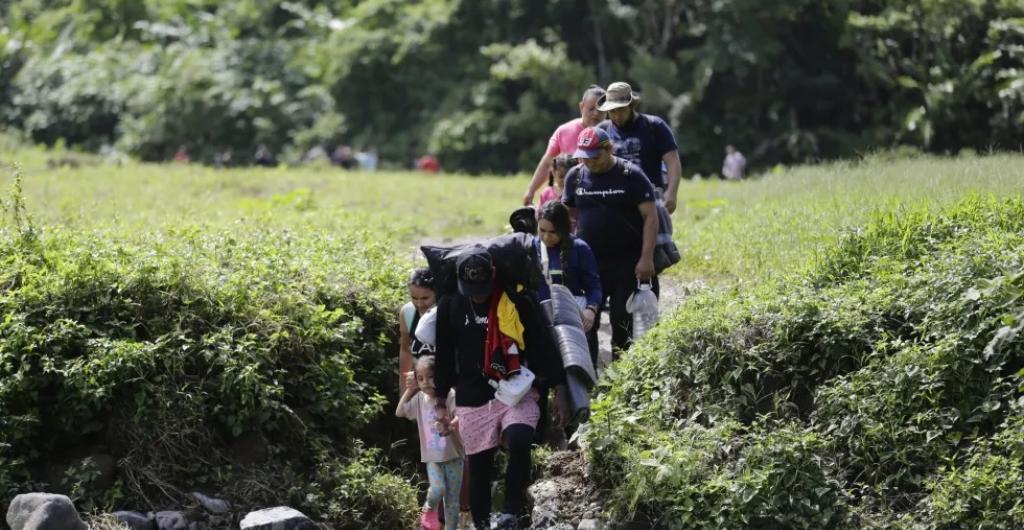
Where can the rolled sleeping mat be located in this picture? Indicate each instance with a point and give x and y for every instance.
(579, 397)
(564, 308)
(572, 343)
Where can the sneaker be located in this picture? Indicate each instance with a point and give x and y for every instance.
(507, 521)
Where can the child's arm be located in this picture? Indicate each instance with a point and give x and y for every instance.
(405, 407)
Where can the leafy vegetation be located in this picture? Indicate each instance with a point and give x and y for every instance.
(881, 387)
(853, 363)
(787, 82)
(172, 349)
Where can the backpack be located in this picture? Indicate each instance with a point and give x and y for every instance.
(514, 260)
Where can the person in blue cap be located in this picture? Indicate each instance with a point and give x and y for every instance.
(613, 201)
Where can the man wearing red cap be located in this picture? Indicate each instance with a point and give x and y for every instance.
(615, 214)
(643, 139)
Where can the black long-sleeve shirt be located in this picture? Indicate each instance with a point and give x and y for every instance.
(461, 333)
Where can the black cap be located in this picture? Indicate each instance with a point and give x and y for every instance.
(475, 270)
(524, 220)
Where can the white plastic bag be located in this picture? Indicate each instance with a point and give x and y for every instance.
(426, 329)
(512, 389)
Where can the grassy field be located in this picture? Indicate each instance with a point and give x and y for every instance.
(752, 230)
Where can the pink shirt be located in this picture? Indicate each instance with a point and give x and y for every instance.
(550, 193)
(565, 137)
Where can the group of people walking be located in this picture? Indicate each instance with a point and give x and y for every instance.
(462, 376)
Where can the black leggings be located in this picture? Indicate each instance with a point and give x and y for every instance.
(518, 439)
(618, 281)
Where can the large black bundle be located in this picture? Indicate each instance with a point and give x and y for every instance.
(514, 259)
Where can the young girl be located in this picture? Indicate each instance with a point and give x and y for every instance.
(556, 180)
(421, 293)
(439, 444)
(572, 264)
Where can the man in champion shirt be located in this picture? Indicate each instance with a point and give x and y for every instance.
(613, 202)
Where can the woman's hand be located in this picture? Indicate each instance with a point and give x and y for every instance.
(588, 318)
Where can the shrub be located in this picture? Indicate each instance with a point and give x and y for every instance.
(851, 382)
(169, 348)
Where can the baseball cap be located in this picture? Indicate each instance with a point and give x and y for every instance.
(475, 271)
(590, 142)
(618, 95)
(524, 220)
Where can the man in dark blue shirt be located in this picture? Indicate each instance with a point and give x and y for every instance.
(643, 139)
(614, 206)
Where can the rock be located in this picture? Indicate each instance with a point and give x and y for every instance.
(591, 524)
(135, 520)
(43, 511)
(211, 504)
(171, 521)
(279, 518)
(197, 526)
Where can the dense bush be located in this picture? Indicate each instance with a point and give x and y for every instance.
(883, 382)
(242, 358)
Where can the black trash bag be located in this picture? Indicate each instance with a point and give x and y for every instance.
(515, 263)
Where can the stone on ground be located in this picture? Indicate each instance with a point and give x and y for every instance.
(171, 521)
(279, 518)
(135, 520)
(43, 511)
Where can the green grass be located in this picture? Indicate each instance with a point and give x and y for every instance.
(756, 230)
(776, 225)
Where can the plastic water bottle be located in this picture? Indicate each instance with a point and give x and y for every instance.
(643, 304)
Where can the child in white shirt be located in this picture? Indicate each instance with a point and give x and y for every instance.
(439, 445)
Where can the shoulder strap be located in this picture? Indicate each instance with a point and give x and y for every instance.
(408, 314)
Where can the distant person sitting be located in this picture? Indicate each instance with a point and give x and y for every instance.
(643, 139)
(181, 155)
(263, 157)
(222, 159)
(343, 157)
(734, 166)
(428, 163)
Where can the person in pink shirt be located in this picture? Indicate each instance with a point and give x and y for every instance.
(556, 180)
(564, 138)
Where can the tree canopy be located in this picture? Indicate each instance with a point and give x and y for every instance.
(483, 83)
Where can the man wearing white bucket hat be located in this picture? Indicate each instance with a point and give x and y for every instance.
(643, 139)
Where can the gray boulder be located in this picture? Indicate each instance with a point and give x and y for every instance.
(43, 511)
(212, 505)
(591, 524)
(135, 520)
(279, 518)
(171, 521)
